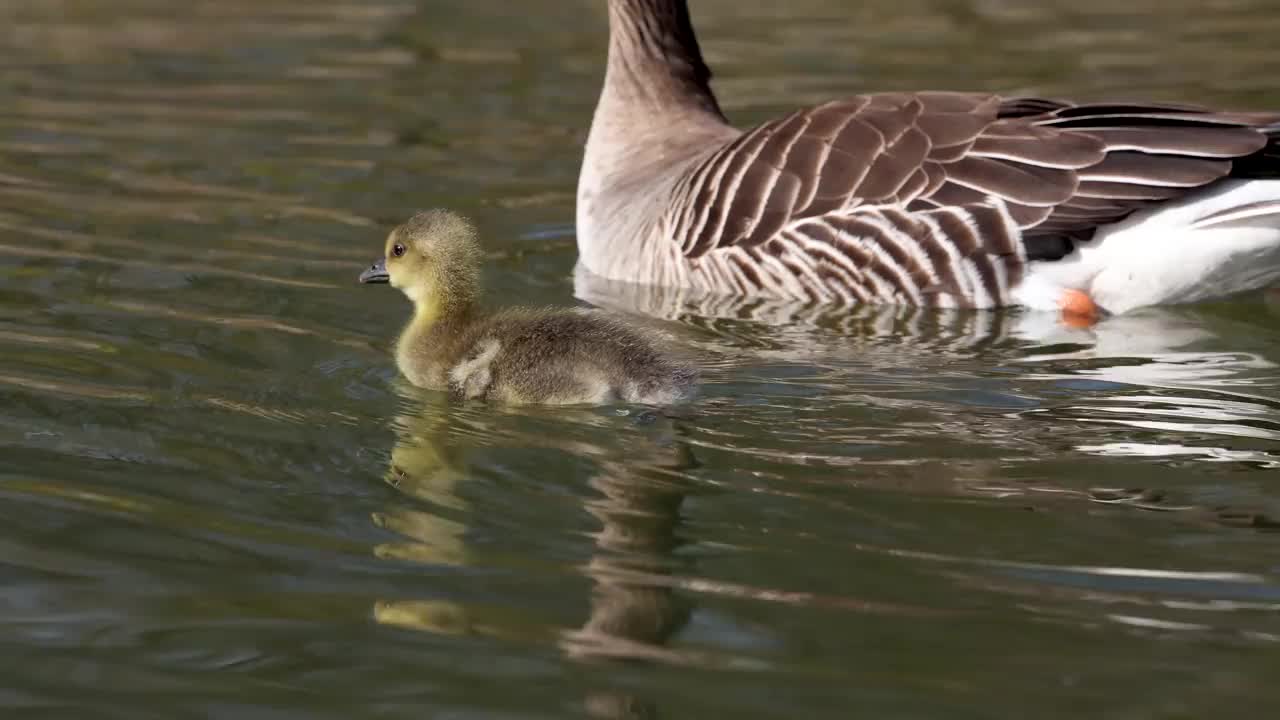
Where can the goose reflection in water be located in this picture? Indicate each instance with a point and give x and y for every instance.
(1162, 370)
(634, 610)
(1166, 348)
(1153, 384)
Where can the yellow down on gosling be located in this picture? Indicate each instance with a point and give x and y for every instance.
(514, 355)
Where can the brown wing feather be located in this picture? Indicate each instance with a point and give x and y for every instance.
(1060, 168)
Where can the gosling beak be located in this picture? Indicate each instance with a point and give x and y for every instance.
(377, 273)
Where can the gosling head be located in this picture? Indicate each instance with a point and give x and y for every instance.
(433, 258)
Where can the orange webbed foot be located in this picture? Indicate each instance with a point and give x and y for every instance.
(1078, 309)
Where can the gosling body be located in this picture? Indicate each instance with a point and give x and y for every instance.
(515, 355)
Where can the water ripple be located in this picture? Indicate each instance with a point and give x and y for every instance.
(219, 497)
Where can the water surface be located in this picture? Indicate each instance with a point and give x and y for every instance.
(219, 500)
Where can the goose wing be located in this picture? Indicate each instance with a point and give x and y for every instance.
(1060, 169)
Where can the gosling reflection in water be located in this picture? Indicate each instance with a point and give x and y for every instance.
(633, 609)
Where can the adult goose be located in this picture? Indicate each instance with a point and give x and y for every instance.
(922, 198)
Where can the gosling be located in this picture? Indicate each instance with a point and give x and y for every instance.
(517, 355)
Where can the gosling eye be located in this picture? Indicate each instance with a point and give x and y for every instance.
(397, 250)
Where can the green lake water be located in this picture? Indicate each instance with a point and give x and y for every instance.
(218, 499)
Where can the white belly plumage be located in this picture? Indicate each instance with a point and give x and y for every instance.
(1217, 242)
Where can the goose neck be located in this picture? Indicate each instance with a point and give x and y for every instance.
(655, 61)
